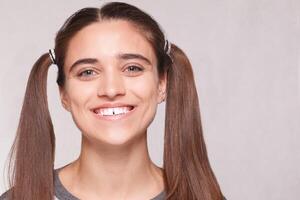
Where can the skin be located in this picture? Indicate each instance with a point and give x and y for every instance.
(114, 162)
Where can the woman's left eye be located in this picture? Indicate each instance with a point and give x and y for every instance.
(134, 68)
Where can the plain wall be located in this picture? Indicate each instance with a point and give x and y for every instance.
(246, 59)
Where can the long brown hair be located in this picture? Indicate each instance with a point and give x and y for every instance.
(187, 172)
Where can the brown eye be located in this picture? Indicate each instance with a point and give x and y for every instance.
(88, 72)
(133, 68)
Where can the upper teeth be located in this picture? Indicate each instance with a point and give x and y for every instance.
(112, 111)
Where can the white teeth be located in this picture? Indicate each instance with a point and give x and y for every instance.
(113, 111)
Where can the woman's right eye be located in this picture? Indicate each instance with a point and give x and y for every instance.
(87, 72)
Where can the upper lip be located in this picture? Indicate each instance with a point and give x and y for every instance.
(112, 105)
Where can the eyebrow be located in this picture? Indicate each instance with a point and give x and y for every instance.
(122, 56)
(128, 56)
(83, 61)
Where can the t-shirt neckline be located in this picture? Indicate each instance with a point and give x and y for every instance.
(63, 194)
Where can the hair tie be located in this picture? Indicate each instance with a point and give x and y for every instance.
(52, 55)
(167, 47)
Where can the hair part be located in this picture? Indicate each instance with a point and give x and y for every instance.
(187, 172)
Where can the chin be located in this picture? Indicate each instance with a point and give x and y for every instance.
(117, 138)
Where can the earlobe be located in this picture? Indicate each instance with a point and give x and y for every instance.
(162, 96)
(162, 88)
(64, 99)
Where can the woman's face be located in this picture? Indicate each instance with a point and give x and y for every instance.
(112, 86)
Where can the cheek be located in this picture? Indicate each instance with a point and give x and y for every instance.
(146, 88)
(79, 93)
(146, 91)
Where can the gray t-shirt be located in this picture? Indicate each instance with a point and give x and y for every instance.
(61, 193)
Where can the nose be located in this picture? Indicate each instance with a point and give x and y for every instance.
(111, 85)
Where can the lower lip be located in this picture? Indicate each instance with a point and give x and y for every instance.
(114, 117)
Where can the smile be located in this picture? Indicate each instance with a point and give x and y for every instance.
(113, 113)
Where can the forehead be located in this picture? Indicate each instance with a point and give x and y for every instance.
(106, 39)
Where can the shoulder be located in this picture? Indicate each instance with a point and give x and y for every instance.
(4, 196)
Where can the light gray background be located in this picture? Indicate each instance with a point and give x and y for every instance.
(245, 56)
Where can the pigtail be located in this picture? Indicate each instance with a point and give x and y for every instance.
(31, 160)
(188, 174)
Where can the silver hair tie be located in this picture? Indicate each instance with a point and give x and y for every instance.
(167, 47)
(52, 55)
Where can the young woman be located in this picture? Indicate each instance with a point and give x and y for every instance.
(114, 67)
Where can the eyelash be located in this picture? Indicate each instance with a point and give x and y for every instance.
(88, 70)
(139, 69)
(133, 68)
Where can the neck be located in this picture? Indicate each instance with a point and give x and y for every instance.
(115, 172)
